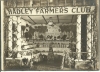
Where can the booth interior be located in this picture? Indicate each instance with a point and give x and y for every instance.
(46, 38)
(42, 30)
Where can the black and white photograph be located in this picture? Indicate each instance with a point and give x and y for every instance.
(50, 35)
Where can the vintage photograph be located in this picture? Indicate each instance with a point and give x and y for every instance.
(50, 35)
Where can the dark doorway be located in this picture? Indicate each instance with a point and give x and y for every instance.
(83, 35)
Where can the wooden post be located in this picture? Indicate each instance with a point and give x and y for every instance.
(78, 38)
(89, 36)
(62, 65)
(10, 36)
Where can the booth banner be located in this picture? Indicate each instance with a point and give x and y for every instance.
(50, 10)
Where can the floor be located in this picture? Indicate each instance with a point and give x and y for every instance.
(42, 66)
